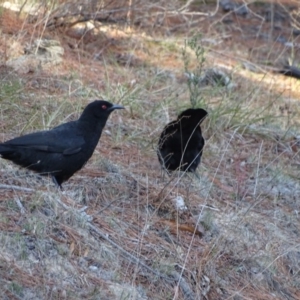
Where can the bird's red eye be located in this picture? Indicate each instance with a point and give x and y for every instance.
(104, 106)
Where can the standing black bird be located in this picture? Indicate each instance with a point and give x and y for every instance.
(181, 142)
(65, 149)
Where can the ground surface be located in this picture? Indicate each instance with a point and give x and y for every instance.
(115, 232)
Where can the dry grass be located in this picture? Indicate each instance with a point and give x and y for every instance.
(114, 233)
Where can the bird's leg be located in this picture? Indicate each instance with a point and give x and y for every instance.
(187, 186)
(162, 173)
(197, 175)
(56, 183)
(164, 170)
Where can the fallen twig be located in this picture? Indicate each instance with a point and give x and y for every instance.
(15, 187)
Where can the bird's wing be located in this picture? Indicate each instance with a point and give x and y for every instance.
(169, 134)
(58, 140)
(170, 129)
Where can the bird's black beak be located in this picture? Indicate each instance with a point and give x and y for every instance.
(115, 106)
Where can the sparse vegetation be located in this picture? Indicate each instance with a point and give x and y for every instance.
(114, 233)
(194, 76)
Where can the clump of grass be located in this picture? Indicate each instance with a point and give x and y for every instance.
(10, 89)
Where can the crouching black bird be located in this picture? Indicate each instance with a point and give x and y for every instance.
(181, 142)
(65, 149)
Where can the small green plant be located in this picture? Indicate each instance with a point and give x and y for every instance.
(10, 90)
(16, 288)
(193, 77)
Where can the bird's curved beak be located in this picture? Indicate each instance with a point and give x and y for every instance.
(115, 106)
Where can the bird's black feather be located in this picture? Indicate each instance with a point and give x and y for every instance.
(65, 149)
(181, 142)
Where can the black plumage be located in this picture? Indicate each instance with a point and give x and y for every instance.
(181, 142)
(65, 149)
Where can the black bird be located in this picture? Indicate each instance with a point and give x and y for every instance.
(65, 149)
(180, 144)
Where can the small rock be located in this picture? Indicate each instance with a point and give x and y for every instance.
(296, 32)
(239, 9)
(179, 203)
(214, 77)
(124, 291)
(40, 53)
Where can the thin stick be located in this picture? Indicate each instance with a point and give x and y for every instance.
(15, 187)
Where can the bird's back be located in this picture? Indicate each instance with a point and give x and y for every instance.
(181, 142)
(59, 152)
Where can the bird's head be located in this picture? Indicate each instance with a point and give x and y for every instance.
(100, 109)
(193, 115)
